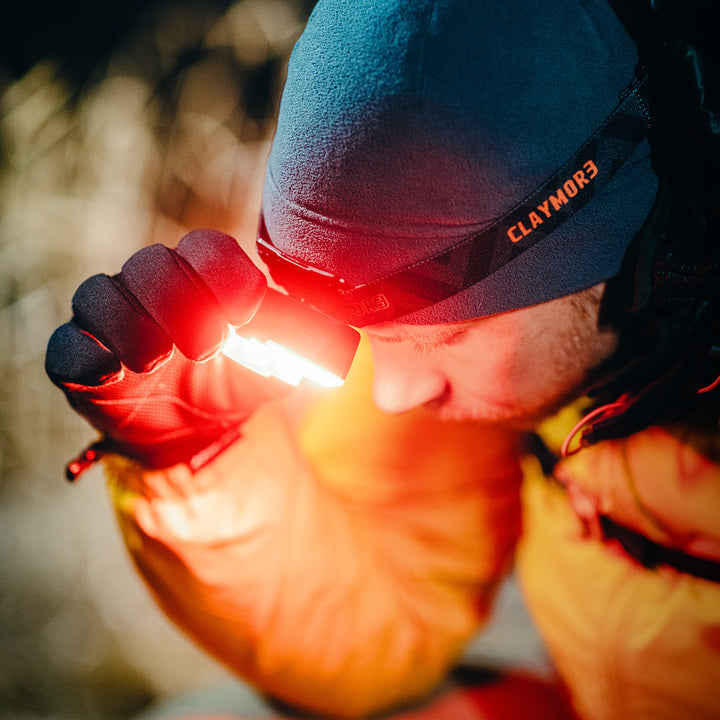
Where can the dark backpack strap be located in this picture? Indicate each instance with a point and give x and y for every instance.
(653, 555)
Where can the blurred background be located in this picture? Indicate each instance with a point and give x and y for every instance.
(121, 124)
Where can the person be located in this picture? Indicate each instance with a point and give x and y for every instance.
(476, 186)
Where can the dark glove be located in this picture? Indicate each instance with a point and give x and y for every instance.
(128, 360)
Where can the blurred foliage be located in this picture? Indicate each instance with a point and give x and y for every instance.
(121, 124)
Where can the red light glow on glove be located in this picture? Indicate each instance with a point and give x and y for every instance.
(141, 360)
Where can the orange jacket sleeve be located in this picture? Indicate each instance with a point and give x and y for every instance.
(341, 567)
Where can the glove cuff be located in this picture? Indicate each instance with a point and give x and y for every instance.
(194, 454)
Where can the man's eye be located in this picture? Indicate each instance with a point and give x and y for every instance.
(427, 349)
(424, 344)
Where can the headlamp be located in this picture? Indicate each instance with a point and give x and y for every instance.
(288, 340)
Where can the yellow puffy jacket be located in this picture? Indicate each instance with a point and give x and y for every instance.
(631, 643)
(340, 565)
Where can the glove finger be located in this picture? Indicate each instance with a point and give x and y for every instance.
(74, 356)
(167, 288)
(236, 282)
(102, 307)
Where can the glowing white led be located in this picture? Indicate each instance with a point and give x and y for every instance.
(271, 359)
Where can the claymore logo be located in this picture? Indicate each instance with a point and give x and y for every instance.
(570, 188)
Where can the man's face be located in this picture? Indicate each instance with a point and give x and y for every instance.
(515, 367)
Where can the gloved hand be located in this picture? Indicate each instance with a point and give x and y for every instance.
(129, 360)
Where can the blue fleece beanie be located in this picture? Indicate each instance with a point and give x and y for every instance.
(407, 127)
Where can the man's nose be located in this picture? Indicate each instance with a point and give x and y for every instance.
(402, 380)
